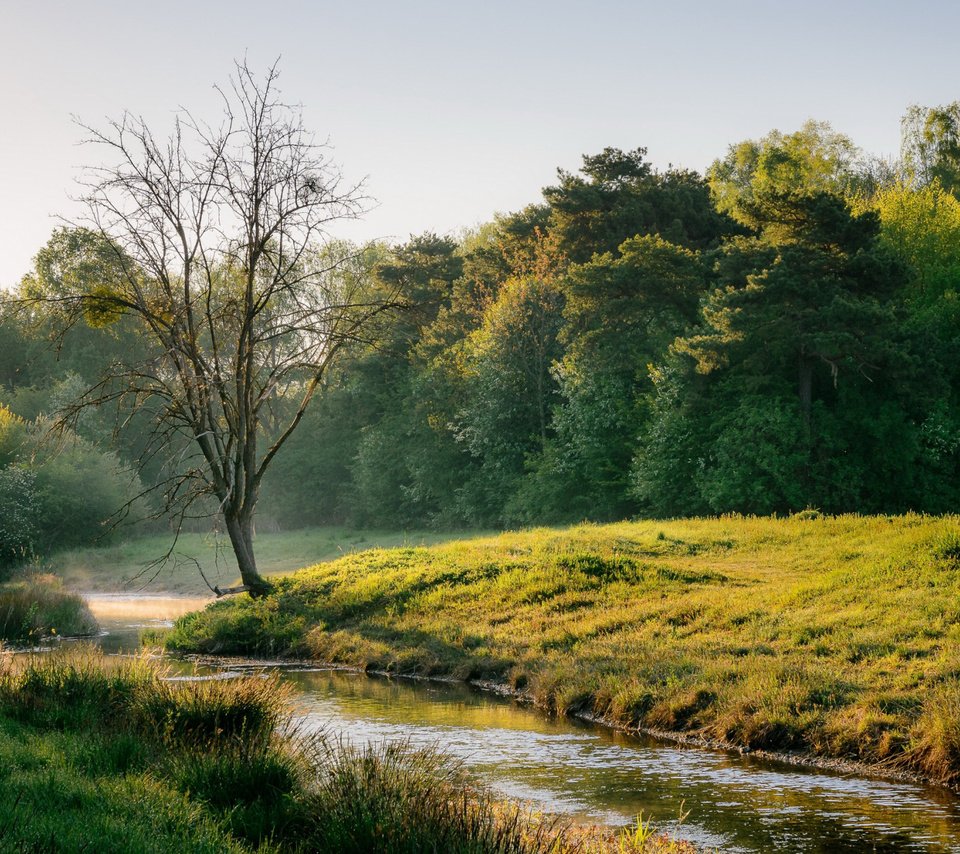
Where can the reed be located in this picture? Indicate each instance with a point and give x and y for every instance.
(37, 606)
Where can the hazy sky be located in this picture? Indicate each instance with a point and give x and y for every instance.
(457, 111)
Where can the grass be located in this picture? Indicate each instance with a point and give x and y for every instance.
(37, 606)
(107, 755)
(130, 565)
(92, 752)
(838, 637)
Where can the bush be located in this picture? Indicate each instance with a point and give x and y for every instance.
(55, 495)
(77, 490)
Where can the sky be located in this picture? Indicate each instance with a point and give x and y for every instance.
(454, 111)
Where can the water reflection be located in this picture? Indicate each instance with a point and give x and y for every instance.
(736, 803)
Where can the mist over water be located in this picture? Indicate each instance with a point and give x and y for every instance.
(123, 617)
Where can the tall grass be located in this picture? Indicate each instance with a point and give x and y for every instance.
(38, 606)
(111, 755)
(95, 750)
(390, 799)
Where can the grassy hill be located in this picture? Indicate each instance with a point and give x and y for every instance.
(834, 636)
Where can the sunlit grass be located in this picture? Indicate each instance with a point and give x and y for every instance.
(836, 636)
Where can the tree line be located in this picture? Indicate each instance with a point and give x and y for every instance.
(778, 334)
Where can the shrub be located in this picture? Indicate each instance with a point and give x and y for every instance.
(77, 490)
(56, 495)
(38, 606)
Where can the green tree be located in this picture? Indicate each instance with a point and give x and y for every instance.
(791, 352)
(506, 366)
(930, 145)
(621, 314)
(823, 304)
(921, 226)
(383, 459)
(756, 175)
(618, 195)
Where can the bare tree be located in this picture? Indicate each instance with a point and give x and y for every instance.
(219, 247)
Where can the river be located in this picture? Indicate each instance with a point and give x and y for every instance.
(736, 803)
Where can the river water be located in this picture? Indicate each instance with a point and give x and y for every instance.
(736, 803)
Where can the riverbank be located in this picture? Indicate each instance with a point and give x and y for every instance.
(524, 698)
(816, 637)
(109, 751)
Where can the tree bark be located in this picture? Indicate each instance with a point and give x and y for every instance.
(240, 530)
(805, 389)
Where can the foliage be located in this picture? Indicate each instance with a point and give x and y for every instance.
(814, 159)
(79, 490)
(78, 261)
(777, 334)
(621, 313)
(931, 145)
(56, 493)
(922, 226)
(19, 515)
(620, 196)
(791, 351)
(506, 366)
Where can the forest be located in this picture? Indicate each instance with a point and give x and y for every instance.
(780, 334)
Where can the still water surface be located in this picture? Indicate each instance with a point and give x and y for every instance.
(736, 803)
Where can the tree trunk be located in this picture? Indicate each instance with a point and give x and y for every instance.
(241, 538)
(805, 391)
(805, 388)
